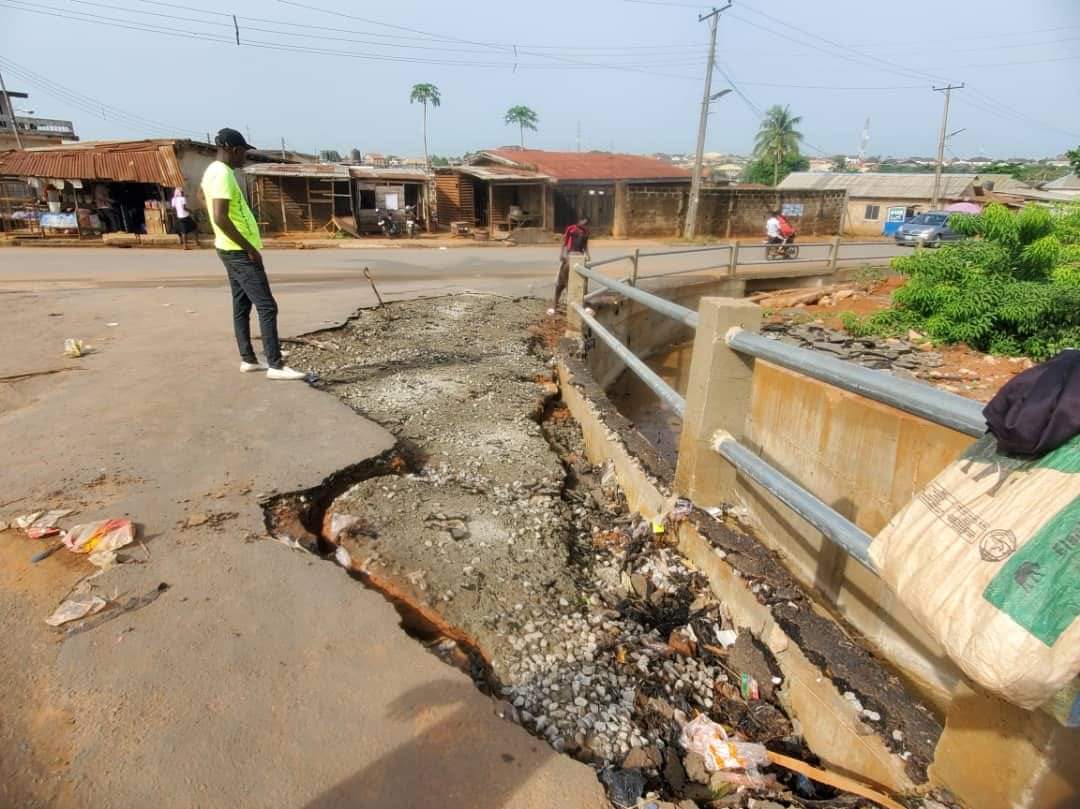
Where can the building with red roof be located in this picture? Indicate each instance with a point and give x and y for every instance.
(510, 188)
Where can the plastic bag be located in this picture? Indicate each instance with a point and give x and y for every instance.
(708, 739)
(76, 608)
(101, 539)
(73, 347)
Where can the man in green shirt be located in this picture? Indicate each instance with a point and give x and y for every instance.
(236, 237)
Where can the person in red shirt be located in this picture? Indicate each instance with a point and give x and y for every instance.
(575, 240)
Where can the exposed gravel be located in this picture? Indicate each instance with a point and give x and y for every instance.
(598, 635)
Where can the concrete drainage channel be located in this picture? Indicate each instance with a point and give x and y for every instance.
(513, 558)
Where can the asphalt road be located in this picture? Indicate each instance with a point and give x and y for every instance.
(519, 270)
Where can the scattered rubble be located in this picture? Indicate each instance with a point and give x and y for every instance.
(514, 558)
(899, 357)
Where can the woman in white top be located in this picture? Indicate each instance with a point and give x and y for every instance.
(185, 223)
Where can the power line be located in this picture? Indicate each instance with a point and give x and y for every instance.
(87, 103)
(288, 47)
(860, 56)
(832, 87)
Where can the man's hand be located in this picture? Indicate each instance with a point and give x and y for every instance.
(255, 256)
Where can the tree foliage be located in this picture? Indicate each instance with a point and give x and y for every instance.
(522, 117)
(777, 137)
(1012, 287)
(763, 171)
(1073, 156)
(425, 94)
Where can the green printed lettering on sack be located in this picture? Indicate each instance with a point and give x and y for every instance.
(1065, 458)
(1039, 586)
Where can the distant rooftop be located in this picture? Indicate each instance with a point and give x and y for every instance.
(896, 186)
(586, 165)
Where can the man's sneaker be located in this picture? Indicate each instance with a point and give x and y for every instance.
(251, 367)
(284, 373)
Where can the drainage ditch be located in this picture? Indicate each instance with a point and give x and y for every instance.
(513, 558)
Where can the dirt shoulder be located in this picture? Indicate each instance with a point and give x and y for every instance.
(955, 368)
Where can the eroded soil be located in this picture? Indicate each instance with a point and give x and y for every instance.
(516, 559)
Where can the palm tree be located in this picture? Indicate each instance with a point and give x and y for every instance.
(524, 117)
(425, 94)
(777, 138)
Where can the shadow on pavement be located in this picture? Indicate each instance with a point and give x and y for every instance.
(455, 762)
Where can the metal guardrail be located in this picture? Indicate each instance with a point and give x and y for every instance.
(941, 407)
(733, 250)
(646, 374)
(836, 528)
(947, 409)
(665, 307)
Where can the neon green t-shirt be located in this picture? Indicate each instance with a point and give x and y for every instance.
(219, 182)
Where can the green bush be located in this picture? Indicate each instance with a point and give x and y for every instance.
(1012, 287)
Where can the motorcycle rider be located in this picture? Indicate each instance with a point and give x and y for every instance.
(772, 228)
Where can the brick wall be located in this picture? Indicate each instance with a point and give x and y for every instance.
(657, 210)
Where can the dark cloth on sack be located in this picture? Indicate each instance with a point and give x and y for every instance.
(1038, 410)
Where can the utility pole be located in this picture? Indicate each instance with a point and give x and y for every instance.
(947, 90)
(283, 157)
(706, 99)
(11, 109)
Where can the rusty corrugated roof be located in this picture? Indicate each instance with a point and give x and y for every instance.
(589, 165)
(313, 170)
(144, 161)
(498, 173)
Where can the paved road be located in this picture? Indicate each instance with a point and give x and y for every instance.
(527, 270)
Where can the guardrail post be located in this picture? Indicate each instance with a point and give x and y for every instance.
(834, 252)
(733, 260)
(637, 256)
(576, 289)
(717, 398)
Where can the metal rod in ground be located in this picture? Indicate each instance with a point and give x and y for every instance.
(665, 307)
(643, 371)
(382, 306)
(837, 529)
(938, 406)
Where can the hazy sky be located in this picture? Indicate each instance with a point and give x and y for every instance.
(629, 71)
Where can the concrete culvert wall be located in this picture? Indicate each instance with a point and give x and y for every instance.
(867, 461)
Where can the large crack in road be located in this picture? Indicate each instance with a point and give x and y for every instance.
(514, 558)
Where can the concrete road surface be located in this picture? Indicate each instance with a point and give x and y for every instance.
(262, 676)
(525, 269)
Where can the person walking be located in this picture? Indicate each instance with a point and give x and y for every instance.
(575, 240)
(236, 237)
(185, 222)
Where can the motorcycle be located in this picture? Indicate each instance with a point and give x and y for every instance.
(390, 228)
(411, 225)
(782, 251)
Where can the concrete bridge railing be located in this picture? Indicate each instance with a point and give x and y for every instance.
(822, 454)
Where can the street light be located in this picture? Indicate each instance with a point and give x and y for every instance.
(716, 96)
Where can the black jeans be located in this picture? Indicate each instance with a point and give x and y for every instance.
(250, 286)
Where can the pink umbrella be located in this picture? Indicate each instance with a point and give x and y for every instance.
(964, 207)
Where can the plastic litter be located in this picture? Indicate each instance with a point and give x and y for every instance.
(343, 558)
(101, 540)
(727, 637)
(625, 787)
(682, 509)
(76, 608)
(39, 524)
(709, 740)
(73, 347)
(748, 687)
